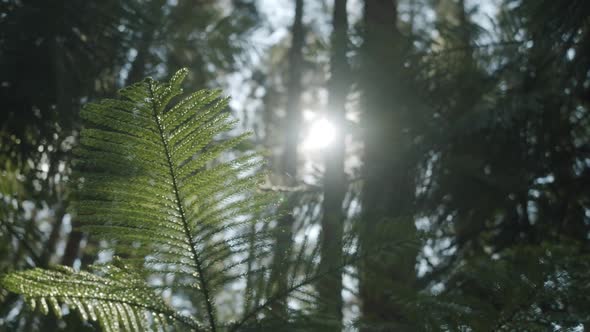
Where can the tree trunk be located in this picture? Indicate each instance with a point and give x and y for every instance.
(140, 63)
(72, 250)
(138, 66)
(54, 236)
(386, 269)
(284, 234)
(330, 287)
(64, 104)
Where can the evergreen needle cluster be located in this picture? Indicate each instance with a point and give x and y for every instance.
(150, 182)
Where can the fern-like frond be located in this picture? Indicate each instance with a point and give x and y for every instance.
(150, 182)
(115, 297)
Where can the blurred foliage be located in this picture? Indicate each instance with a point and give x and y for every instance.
(467, 119)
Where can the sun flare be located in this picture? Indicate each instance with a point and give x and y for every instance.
(320, 135)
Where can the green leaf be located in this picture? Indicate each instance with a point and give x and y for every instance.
(150, 182)
(118, 298)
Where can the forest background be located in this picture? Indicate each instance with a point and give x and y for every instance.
(432, 156)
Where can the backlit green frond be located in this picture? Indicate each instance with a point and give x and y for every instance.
(115, 297)
(151, 184)
(148, 184)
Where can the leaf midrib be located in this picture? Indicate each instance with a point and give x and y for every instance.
(202, 280)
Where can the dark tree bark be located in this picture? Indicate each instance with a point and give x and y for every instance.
(387, 269)
(72, 250)
(64, 104)
(138, 66)
(284, 234)
(153, 21)
(54, 236)
(330, 287)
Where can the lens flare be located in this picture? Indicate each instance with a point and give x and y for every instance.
(320, 135)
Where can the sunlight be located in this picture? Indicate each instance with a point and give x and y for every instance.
(320, 135)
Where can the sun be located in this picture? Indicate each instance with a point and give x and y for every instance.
(320, 135)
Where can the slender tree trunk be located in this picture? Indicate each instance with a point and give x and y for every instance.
(154, 14)
(64, 104)
(289, 158)
(138, 66)
(284, 235)
(72, 250)
(387, 269)
(453, 23)
(54, 236)
(330, 287)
